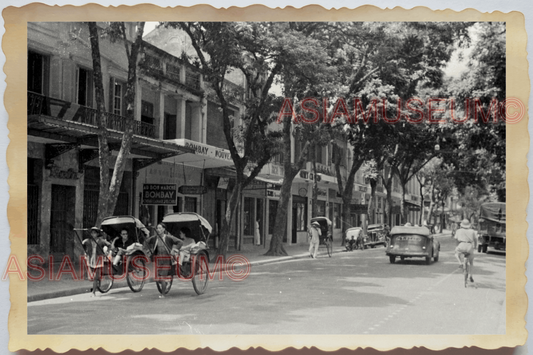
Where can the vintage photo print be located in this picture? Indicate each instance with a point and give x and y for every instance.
(198, 177)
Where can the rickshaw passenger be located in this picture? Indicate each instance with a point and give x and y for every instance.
(182, 250)
(121, 244)
(94, 247)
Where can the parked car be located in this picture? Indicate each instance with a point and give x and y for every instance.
(376, 234)
(491, 232)
(412, 242)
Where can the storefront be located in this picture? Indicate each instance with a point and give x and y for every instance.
(253, 213)
(151, 207)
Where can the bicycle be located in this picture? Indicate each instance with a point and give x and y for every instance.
(466, 265)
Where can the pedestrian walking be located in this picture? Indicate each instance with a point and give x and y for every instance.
(466, 245)
(257, 234)
(313, 234)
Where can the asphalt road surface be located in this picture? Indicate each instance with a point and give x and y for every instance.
(357, 292)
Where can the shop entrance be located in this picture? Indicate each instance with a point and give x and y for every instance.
(61, 217)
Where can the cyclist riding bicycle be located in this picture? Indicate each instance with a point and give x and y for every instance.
(466, 245)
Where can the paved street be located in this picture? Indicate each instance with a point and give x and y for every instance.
(356, 292)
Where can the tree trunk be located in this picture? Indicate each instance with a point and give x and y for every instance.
(280, 228)
(110, 188)
(290, 171)
(346, 190)
(421, 219)
(403, 208)
(227, 221)
(387, 184)
(314, 205)
(371, 203)
(103, 147)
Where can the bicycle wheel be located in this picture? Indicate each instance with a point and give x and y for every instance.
(163, 286)
(200, 273)
(136, 266)
(465, 270)
(104, 283)
(329, 246)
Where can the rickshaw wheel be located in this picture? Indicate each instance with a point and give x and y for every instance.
(166, 283)
(136, 275)
(200, 273)
(329, 246)
(105, 283)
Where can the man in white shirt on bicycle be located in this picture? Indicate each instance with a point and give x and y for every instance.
(466, 245)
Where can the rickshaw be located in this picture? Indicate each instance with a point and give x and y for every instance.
(135, 264)
(412, 242)
(195, 263)
(354, 239)
(326, 237)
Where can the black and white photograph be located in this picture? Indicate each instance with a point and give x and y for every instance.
(273, 178)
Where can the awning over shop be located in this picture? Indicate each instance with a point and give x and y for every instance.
(203, 155)
(412, 206)
(269, 181)
(327, 179)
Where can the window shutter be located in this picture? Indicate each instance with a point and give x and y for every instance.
(111, 94)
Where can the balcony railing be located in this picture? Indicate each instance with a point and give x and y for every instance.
(68, 111)
(151, 65)
(192, 79)
(173, 72)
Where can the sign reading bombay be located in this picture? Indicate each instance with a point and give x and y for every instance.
(159, 194)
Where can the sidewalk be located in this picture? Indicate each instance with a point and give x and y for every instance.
(68, 284)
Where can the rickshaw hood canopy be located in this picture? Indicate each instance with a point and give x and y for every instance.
(321, 219)
(187, 217)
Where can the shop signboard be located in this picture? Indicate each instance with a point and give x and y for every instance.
(358, 208)
(192, 190)
(159, 194)
(273, 193)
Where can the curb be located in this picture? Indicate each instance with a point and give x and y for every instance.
(87, 288)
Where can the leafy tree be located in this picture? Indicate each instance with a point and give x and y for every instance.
(262, 51)
(306, 72)
(483, 155)
(110, 186)
(380, 64)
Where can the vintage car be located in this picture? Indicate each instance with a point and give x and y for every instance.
(412, 242)
(376, 234)
(491, 232)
